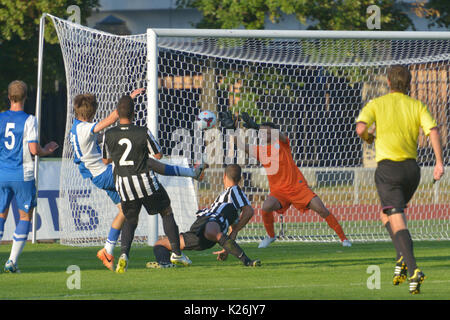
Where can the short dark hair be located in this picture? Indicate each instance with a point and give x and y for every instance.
(17, 91)
(400, 78)
(269, 124)
(125, 108)
(85, 106)
(233, 171)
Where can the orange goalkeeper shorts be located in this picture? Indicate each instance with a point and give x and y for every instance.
(299, 197)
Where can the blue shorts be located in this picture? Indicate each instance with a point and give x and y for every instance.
(24, 192)
(105, 181)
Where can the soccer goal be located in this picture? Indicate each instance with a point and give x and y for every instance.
(311, 83)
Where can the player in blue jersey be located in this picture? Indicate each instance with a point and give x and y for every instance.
(18, 144)
(88, 157)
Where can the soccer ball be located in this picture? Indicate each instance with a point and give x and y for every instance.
(206, 120)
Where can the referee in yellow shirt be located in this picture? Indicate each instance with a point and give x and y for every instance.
(397, 118)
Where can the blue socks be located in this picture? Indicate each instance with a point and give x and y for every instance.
(112, 240)
(178, 171)
(2, 227)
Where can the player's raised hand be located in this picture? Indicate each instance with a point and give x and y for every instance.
(221, 255)
(137, 92)
(227, 120)
(249, 123)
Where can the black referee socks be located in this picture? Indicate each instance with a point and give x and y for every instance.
(404, 241)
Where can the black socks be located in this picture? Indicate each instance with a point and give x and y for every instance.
(404, 242)
(171, 230)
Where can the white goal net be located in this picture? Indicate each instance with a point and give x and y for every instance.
(312, 88)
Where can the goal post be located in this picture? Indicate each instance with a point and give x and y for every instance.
(311, 83)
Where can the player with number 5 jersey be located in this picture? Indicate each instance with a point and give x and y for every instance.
(18, 144)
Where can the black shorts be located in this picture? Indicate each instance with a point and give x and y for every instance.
(153, 204)
(396, 182)
(194, 239)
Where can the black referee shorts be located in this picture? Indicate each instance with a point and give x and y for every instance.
(396, 183)
(194, 239)
(157, 202)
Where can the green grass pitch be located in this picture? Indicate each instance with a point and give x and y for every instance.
(289, 271)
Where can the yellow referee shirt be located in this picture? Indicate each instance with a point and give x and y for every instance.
(397, 118)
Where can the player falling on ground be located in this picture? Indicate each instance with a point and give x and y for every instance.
(287, 184)
(88, 157)
(18, 143)
(128, 147)
(397, 119)
(230, 210)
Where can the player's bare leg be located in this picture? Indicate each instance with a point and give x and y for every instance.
(270, 205)
(317, 205)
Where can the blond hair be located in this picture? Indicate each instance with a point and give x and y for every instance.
(17, 91)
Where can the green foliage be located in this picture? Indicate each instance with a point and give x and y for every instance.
(323, 14)
(19, 36)
(254, 83)
(438, 11)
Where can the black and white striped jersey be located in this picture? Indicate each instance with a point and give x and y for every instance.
(233, 195)
(129, 147)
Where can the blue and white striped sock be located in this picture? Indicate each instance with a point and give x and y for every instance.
(112, 240)
(19, 239)
(2, 227)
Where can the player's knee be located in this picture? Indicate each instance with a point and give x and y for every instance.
(166, 212)
(132, 220)
(212, 231)
(268, 207)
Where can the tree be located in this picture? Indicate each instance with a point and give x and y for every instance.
(323, 14)
(19, 36)
(437, 11)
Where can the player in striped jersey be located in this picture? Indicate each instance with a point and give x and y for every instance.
(18, 143)
(88, 157)
(230, 210)
(128, 146)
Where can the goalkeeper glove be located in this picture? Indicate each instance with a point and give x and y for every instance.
(227, 120)
(249, 123)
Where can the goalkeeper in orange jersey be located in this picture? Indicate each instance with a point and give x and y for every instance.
(287, 184)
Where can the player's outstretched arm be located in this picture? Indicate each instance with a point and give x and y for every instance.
(114, 116)
(37, 150)
(105, 123)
